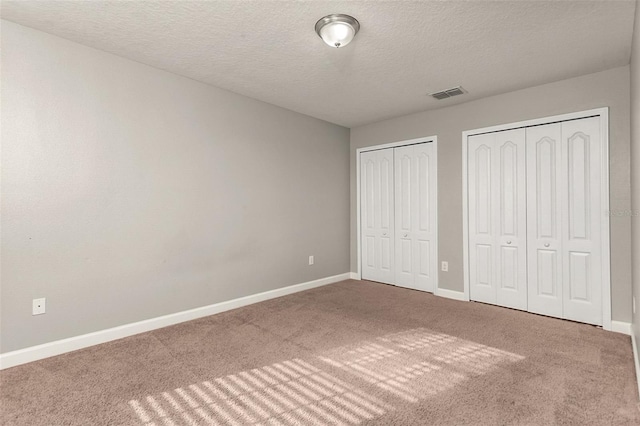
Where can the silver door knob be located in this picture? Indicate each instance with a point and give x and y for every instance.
(546, 244)
(508, 242)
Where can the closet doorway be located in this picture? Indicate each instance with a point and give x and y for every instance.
(397, 213)
(536, 229)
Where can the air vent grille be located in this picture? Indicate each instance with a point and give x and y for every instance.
(440, 95)
(444, 94)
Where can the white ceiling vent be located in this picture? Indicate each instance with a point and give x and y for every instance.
(444, 94)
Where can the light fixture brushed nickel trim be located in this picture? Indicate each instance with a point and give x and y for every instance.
(337, 18)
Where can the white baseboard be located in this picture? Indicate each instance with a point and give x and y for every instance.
(354, 276)
(34, 353)
(621, 327)
(636, 357)
(451, 294)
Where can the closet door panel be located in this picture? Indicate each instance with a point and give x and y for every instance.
(367, 206)
(377, 215)
(415, 194)
(582, 213)
(405, 195)
(385, 158)
(510, 214)
(425, 261)
(544, 203)
(482, 223)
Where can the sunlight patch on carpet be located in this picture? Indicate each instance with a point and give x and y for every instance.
(285, 393)
(417, 363)
(344, 386)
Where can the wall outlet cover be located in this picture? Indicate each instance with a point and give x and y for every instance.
(39, 306)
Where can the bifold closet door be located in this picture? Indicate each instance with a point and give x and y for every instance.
(564, 220)
(377, 215)
(415, 216)
(544, 219)
(582, 215)
(497, 218)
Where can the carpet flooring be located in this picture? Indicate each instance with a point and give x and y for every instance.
(349, 353)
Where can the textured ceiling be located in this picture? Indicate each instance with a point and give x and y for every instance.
(268, 50)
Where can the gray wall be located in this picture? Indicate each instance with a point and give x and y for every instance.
(608, 88)
(635, 168)
(130, 193)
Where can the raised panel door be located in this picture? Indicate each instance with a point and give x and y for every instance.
(377, 215)
(544, 203)
(482, 220)
(415, 194)
(405, 194)
(510, 215)
(425, 224)
(582, 213)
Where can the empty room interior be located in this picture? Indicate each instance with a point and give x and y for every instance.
(319, 212)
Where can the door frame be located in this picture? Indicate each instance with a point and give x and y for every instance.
(603, 113)
(428, 139)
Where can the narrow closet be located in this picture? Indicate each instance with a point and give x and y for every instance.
(398, 196)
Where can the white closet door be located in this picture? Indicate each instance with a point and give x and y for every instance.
(415, 213)
(564, 213)
(377, 215)
(544, 219)
(497, 218)
(482, 264)
(536, 224)
(425, 229)
(405, 197)
(581, 218)
(511, 219)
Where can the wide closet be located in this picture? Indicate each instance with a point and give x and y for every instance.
(537, 229)
(398, 215)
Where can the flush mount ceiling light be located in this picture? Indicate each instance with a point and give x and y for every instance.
(337, 30)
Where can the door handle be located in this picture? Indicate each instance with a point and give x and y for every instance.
(384, 235)
(546, 244)
(508, 242)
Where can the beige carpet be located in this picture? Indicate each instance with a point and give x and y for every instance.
(344, 354)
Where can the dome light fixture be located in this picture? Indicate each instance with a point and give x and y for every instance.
(337, 30)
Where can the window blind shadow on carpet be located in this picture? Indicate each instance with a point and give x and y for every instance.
(345, 386)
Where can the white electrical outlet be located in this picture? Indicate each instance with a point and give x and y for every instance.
(39, 306)
(310, 260)
(445, 266)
